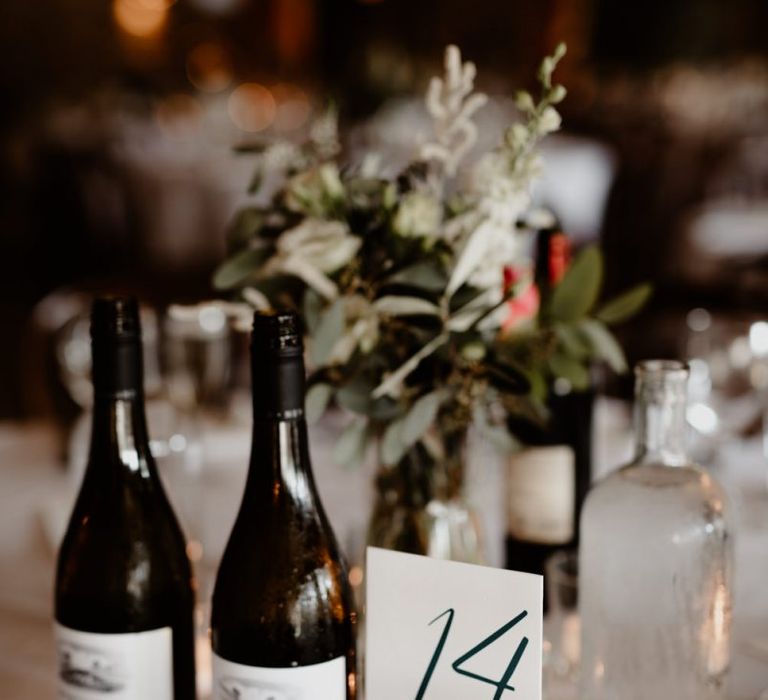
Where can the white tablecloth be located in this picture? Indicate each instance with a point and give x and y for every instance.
(36, 495)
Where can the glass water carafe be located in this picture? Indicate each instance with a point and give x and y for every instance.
(656, 562)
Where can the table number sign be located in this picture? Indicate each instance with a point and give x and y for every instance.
(440, 630)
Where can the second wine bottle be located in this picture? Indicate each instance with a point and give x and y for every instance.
(282, 616)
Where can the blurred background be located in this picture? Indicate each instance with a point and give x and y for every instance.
(118, 119)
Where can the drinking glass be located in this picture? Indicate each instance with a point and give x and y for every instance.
(562, 628)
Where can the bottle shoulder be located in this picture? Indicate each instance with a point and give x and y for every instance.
(656, 476)
(122, 537)
(271, 561)
(647, 490)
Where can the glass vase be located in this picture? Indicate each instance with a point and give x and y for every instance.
(420, 506)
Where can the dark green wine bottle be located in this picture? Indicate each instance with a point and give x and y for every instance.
(548, 481)
(124, 598)
(282, 618)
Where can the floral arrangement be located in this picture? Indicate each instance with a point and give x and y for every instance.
(416, 292)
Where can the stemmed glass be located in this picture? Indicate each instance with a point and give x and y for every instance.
(562, 646)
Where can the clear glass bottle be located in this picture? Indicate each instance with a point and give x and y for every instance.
(656, 562)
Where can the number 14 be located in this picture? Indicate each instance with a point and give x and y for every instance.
(501, 684)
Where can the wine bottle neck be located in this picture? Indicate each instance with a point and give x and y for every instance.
(278, 388)
(280, 464)
(119, 434)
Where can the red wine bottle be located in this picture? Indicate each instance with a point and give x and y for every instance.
(124, 593)
(547, 481)
(282, 617)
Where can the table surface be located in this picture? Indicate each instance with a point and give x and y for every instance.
(36, 493)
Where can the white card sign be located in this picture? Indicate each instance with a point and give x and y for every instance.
(440, 630)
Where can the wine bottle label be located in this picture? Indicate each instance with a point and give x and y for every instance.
(324, 681)
(136, 666)
(541, 494)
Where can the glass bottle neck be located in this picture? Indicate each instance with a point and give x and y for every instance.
(660, 425)
(280, 464)
(119, 429)
(119, 433)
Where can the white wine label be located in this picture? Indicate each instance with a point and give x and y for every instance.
(136, 666)
(324, 681)
(541, 488)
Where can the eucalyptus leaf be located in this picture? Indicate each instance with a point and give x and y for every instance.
(329, 329)
(246, 225)
(605, 345)
(626, 305)
(393, 448)
(573, 342)
(405, 306)
(239, 268)
(384, 408)
(571, 369)
(577, 293)
(419, 418)
(316, 401)
(426, 275)
(355, 396)
(351, 446)
(472, 253)
(312, 307)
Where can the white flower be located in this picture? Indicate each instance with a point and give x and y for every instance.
(419, 215)
(484, 254)
(517, 136)
(362, 329)
(316, 191)
(327, 244)
(549, 121)
(312, 250)
(488, 241)
(524, 101)
(452, 103)
(280, 155)
(324, 134)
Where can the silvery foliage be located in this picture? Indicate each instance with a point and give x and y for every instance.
(400, 283)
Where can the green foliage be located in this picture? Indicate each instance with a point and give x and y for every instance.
(603, 344)
(330, 328)
(312, 308)
(578, 291)
(317, 399)
(351, 447)
(420, 417)
(625, 306)
(391, 277)
(245, 227)
(427, 275)
(566, 367)
(239, 268)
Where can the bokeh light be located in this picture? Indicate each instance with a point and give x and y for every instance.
(141, 18)
(179, 116)
(252, 107)
(293, 107)
(209, 67)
